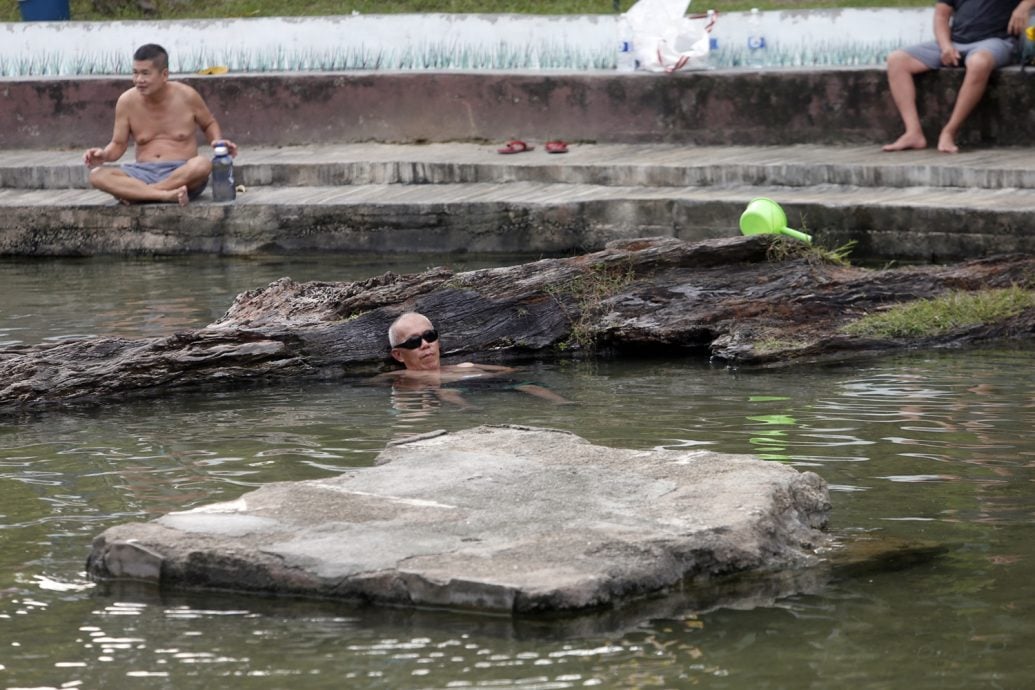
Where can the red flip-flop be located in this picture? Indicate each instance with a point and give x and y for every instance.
(556, 147)
(515, 146)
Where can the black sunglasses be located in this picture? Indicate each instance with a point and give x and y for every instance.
(413, 342)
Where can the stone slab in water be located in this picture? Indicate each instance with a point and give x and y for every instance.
(502, 519)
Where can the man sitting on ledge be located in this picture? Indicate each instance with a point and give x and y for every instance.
(162, 117)
(415, 344)
(982, 34)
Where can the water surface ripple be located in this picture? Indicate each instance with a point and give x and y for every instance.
(933, 446)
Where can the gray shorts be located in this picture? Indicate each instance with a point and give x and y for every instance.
(1004, 50)
(155, 171)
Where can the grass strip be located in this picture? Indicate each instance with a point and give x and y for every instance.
(952, 311)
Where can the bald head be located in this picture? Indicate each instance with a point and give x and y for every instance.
(405, 323)
(414, 342)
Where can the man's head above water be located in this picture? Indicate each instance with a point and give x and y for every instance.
(414, 342)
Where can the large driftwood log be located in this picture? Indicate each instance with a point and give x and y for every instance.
(719, 299)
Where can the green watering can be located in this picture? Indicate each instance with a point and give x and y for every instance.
(765, 216)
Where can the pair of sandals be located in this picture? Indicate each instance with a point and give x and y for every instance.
(518, 146)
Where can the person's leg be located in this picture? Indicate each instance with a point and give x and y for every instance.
(192, 174)
(129, 189)
(177, 185)
(981, 59)
(902, 68)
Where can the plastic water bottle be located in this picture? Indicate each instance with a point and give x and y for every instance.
(756, 41)
(223, 189)
(713, 43)
(626, 58)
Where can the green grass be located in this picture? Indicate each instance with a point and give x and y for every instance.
(84, 10)
(953, 311)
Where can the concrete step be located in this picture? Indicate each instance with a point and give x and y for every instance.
(552, 194)
(917, 223)
(621, 165)
(916, 205)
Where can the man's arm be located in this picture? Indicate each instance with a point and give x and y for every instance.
(207, 122)
(544, 393)
(943, 34)
(119, 138)
(453, 397)
(483, 367)
(1021, 17)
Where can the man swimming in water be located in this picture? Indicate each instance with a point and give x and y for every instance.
(162, 118)
(415, 344)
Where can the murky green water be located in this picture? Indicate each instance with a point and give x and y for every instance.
(933, 446)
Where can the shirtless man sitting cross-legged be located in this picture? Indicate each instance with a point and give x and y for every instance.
(162, 118)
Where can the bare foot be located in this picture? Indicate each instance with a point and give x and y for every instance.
(947, 143)
(181, 196)
(905, 142)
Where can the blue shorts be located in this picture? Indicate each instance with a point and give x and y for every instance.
(151, 172)
(1004, 50)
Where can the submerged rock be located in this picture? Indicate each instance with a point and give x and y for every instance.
(498, 519)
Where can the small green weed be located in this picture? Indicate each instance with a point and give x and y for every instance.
(815, 254)
(792, 249)
(768, 345)
(588, 292)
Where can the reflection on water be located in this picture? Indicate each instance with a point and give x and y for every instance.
(932, 446)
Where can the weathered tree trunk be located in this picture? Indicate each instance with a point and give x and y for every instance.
(720, 298)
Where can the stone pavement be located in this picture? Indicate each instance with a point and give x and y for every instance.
(916, 205)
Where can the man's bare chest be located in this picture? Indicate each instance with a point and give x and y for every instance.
(176, 123)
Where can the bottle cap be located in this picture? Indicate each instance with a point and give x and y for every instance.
(221, 149)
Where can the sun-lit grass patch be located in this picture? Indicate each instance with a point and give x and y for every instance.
(952, 311)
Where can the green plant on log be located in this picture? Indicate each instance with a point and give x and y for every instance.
(949, 312)
(770, 345)
(788, 248)
(838, 255)
(460, 281)
(587, 293)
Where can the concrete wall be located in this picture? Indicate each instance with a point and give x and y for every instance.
(711, 107)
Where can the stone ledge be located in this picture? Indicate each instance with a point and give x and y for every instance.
(927, 224)
(498, 519)
(618, 165)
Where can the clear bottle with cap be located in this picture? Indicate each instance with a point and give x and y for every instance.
(713, 41)
(223, 189)
(756, 40)
(625, 59)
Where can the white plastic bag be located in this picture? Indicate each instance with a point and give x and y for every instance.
(665, 39)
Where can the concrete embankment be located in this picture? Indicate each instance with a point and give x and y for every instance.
(715, 107)
(918, 205)
(408, 162)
